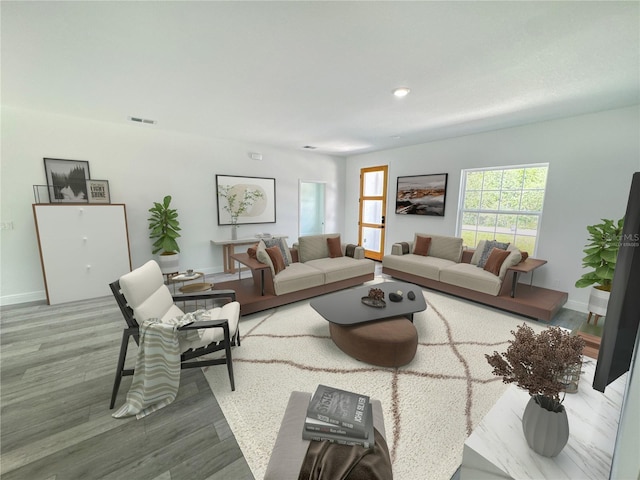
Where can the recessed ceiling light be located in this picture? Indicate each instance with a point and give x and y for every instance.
(401, 91)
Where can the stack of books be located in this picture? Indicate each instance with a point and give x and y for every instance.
(339, 417)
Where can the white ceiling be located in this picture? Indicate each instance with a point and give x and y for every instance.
(291, 74)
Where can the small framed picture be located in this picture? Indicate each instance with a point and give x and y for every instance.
(67, 180)
(98, 191)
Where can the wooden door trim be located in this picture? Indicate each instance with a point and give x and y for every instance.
(385, 169)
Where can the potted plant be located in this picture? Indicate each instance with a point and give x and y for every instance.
(539, 363)
(238, 203)
(601, 254)
(164, 228)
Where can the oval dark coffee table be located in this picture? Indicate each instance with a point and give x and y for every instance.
(380, 336)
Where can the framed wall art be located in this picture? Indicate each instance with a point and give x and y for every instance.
(243, 200)
(421, 194)
(98, 191)
(67, 180)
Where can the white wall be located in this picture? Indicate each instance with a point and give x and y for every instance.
(591, 159)
(143, 164)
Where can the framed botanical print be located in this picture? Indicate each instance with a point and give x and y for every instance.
(67, 180)
(244, 200)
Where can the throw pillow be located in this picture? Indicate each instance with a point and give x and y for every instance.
(513, 259)
(488, 246)
(281, 243)
(251, 251)
(276, 258)
(335, 249)
(477, 253)
(422, 245)
(495, 260)
(263, 257)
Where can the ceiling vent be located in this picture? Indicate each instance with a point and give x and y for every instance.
(143, 120)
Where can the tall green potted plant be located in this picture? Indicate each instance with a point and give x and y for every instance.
(164, 228)
(601, 255)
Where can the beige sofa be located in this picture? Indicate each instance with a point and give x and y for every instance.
(315, 272)
(450, 268)
(445, 264)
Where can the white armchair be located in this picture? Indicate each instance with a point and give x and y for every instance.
(142, 294)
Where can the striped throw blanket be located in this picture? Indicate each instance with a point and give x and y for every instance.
(157, 372)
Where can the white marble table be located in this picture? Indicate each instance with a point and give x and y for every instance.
(497, 447)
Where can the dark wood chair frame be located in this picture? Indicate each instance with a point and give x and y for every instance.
(133, 330)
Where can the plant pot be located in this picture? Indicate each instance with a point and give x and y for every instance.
(546, 432)
(598, 301)
(169, 262)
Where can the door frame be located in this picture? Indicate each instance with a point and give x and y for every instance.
(370, 253)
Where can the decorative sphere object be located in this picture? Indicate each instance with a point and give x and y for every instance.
(394, 297)
(411, 295)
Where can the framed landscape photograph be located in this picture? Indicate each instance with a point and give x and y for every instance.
(98, 191)
(67, 180)
(421, 194)
(252, 199)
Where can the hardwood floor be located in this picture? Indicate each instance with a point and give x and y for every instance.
(57, 369)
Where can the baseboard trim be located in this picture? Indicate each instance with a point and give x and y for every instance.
(577, 306)
(23, 298)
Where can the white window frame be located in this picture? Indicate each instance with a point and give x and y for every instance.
(462, 210)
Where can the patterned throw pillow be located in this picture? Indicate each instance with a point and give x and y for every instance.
(281, 243)
(488, 246)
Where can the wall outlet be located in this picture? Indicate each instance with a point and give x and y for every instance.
(6, 225)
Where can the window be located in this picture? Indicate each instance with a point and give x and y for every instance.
(504, 204)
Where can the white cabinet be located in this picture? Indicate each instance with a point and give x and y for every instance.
(83, 248)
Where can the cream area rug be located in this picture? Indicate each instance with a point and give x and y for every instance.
(430, 405)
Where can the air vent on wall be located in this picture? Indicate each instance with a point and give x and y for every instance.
(143, 120)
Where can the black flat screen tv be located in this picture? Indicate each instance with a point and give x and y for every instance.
(623, 311)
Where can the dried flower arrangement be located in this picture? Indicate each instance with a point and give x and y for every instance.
(376, 294)
(537, 363)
